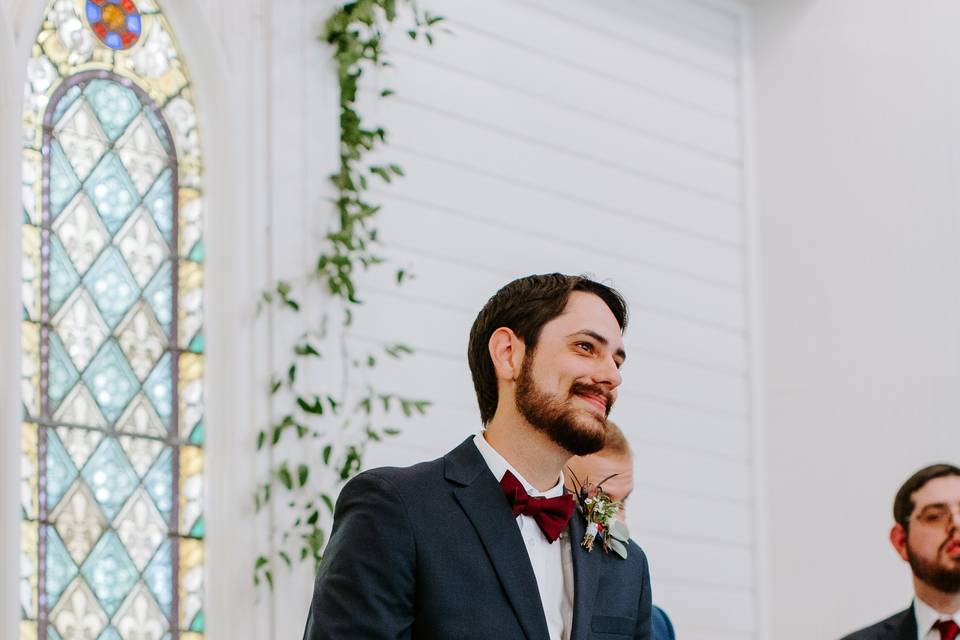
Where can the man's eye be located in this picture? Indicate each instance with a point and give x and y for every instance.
(584, 346)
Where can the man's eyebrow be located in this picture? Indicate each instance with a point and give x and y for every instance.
(934, 505)
(599, 338)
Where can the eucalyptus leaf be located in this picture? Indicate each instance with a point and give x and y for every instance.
(617, 547)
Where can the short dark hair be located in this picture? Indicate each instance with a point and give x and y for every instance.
(524, 306)
(903, 504)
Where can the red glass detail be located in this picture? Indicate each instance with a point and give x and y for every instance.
(99, 3)
(100, 29)
(128, 38)
(127, 6)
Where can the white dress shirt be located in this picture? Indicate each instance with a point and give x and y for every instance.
(927, 616)
(552, 563)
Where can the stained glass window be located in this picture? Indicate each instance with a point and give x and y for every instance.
(112, 333)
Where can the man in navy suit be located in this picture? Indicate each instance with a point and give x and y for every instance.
(480, 543)
(926, 533)
(613, 467)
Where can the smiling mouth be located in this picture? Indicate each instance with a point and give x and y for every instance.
(596, 400)
(953, 548)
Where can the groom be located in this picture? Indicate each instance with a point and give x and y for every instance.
(484, 543)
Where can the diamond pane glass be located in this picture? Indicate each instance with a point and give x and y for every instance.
(112, 458)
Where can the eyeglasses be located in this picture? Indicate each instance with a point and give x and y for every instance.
(939, 515)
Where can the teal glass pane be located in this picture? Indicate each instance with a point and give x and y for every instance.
(111, 191)
(160, 130)
(110, 572)
(159, 295)
(159, 578)
(63, 181)
(110, 476)
(112, 286)
(196, 436)
(158, 387)
(110, 380)
(68, 99)
(198, 252)
(159, 483)
(52, 633)
(110, 634)
(60, 568)
(197, 624)
(62, 374)
(114, 105)
(63, 276)
(60, 470)
(159, 202)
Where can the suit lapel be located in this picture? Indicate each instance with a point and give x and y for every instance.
(481, 498)
(586, 578)
(906, 627)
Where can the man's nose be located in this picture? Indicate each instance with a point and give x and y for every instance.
(609, 374)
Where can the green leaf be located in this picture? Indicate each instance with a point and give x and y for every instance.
(261, 561)
(327, 501)
(391, 431)
(261, 438)
(306, 349)
(386, 93)
(619, 531)
(315, 407)
(286, 558)
(285, 478)
(303, 472)
(327, 450)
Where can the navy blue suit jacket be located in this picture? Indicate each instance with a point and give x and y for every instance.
(433, 552)
(901, 626)
(661, 626)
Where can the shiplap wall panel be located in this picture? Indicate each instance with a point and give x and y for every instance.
(605, 138)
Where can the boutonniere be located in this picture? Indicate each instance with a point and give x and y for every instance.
(600, 511)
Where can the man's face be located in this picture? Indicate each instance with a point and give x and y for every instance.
(931, 544)
(593, 469)
(567, 386)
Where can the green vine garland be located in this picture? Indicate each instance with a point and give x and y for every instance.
(356, 31)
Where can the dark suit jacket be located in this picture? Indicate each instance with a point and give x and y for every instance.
(433, 552)
(660, 625)
(902, 626)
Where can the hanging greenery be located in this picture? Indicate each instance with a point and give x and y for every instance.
(340, 424)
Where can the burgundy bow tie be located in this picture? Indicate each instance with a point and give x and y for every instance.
(948, 629)
(551, 514)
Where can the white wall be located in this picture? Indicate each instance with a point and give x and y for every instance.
(859, 199)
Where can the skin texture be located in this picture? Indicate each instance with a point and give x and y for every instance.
(933, 548)
(594, 468)
(575, 371)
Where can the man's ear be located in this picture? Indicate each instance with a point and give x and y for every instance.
(506, 351)
(898, 538)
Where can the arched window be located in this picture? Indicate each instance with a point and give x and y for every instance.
(112, 476)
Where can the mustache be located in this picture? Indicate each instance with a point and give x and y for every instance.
(593, 389)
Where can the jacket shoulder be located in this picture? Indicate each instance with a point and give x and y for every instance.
(899, 626)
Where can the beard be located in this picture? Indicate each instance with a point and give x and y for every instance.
(941, 578)
(564, 425)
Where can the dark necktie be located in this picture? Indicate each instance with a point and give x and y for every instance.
(948, 629)
(550, 514)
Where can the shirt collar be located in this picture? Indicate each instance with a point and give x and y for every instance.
(499, 465)
(927, 616)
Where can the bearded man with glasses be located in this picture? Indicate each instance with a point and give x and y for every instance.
(926, 534)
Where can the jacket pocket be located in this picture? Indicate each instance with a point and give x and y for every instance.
(613, 625)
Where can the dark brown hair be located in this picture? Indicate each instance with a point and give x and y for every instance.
(524, 306)
(903, 504)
